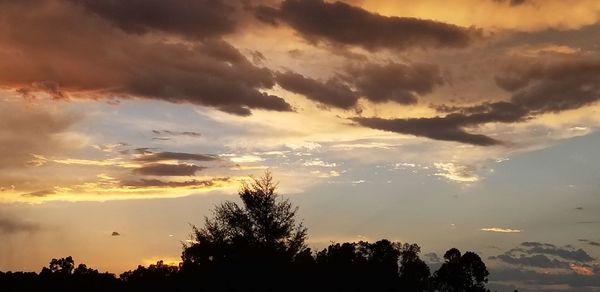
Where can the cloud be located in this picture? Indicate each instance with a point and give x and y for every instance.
(544, 49)
(331, 92)
(432, 258)
(567, 253)
(10, 225)
(544, 255)
(341, 23)
(168, 169)
(401, 83)
(556, 87)
(109, 147)
(513, 2)
(25, 130)
(149, 156)
(197, 19)
(8, 188)
(501, 230)
(147, 183)
(455, 172)
(97, 60)
(582, 269)
(452, 126)
(177, 133)
(536, 89)
(590, 242)
(246, 159)
(39, 194)
(318, 162)
(538, 260)
(544, 281)
(438, 128)
(541, 266)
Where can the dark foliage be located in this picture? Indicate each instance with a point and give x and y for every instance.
(461, 272)
(414, 272)
(259, 246)
(60, 275)
(257, 241)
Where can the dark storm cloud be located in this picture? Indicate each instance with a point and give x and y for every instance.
(401, 83)
(168, 169)
(149, 156)
(341, 23)
(9, 225)
(553, 87)
(451, 127)
(536, 89)
(177, 133)
(332, 92)
(433, 128)
(190, 18)
(394, 81)
(60, 48)
(144, 183)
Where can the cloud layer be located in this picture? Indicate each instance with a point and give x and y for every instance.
(535, 90)
(341, 23)
(89, 57)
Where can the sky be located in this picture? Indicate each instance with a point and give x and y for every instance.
(467, 123)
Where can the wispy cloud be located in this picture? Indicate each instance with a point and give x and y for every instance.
(501, 230)
(10, 225)
(319, 162)
(246, 159)
(455, 172)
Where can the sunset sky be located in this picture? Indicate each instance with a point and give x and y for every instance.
(465, 123)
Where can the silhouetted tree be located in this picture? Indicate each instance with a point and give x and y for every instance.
(461, 272)
(62, 266)
(414, 272)
(159, 276)
(259, 237)
(359, 265)
(62, 274)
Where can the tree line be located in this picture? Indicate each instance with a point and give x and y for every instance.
(260, 245)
